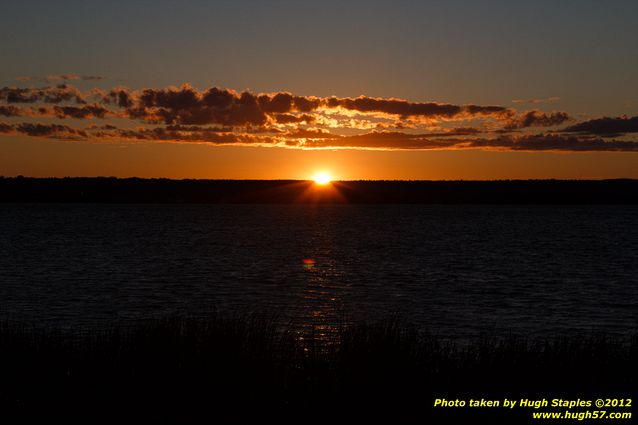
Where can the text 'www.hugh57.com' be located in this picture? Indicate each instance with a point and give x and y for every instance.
(546, 408)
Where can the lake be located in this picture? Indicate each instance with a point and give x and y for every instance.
(456, 270)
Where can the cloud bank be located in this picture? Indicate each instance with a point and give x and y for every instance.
(219, 116)
(610, 127)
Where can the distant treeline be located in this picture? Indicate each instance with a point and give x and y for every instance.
(136, 190)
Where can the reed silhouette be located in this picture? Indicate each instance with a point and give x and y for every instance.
(243, 361)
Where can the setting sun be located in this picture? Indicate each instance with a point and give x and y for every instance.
(316, 201)
(322, 178)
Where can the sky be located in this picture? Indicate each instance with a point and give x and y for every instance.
(283, 89)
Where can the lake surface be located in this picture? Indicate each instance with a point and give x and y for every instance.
(458, 270)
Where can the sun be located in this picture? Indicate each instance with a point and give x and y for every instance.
(322, 178)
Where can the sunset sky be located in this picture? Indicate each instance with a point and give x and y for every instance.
(362, 90)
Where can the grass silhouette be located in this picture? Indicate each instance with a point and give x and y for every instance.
(252, 360)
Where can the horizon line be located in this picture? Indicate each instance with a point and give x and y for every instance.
(19, 176)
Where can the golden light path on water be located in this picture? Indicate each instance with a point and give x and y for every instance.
(321, 303)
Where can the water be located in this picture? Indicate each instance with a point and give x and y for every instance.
(457, 270)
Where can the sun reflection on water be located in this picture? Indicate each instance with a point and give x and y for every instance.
(321, 300)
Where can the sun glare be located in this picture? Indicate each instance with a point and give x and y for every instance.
(322, 178)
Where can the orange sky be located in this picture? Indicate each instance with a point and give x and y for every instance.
(62, 158)
(362, 89)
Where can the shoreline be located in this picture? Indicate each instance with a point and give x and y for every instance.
(245, 359)
(453, 192)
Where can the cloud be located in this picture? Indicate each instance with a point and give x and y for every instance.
(319, 138)
(55, 131)
(606, 127)
(209, 136)
(290, 118)
(405, 109)
(198, 128)
(382, 140)
(537, 119)
(120, 96)
(83, 112)
(459, 131)
(552, 99)
(532, 143)
(53, 94)
(65, 77)
(280, 102)
(220, 116)
(395, 107)
(551, 142)
(61, 77)
(186, 105)
(10, 111)
(311, 133)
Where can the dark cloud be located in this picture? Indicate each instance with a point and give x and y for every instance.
(395, 107)
(184, 98)
(53, 94)
(57, 131)
(10, 111)
(545, 142)
(537, 119)
(190, 107)
(290, 118)
(552, 99)
(83, 112)
(218, 98)
(280, 102)
(197, 136)
(218, 106)
(319, 138)
(381, 140)
(214, 106)
(532, 143)
(460, 131)
(312, 133)
(101, 127)
(120, 96)
(606, 127)
(221, 116)
(61, 77)
(198, 128)
(18, 95)
(405, 109)
(497, 111)
(65, 77)
(306, 104)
